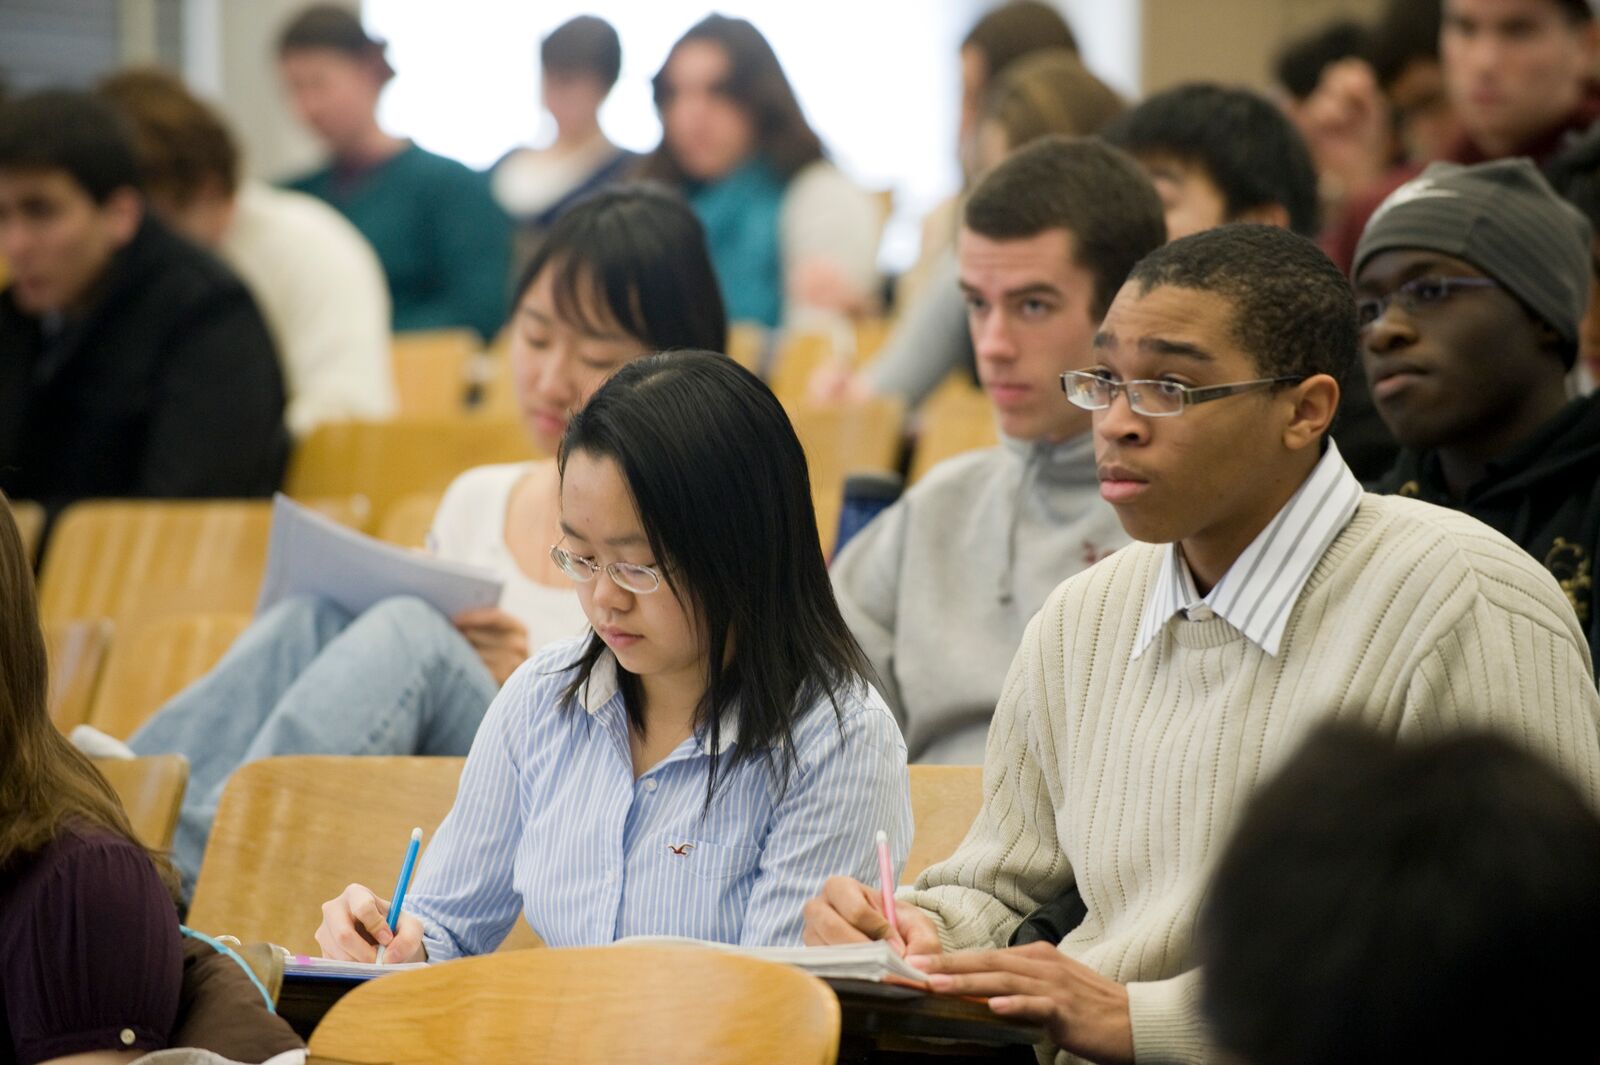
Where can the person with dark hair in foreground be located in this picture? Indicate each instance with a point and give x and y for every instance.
(792, 238)
(1220, 154)
(1154, 692)
(1470, 284)
(939, 588)
(1393, 904)
(622, 274)
(703, 759)
(93, 965)
(444, 243)
(578, 66)
(131, 362)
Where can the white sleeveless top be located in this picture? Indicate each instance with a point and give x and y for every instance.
(469, 526)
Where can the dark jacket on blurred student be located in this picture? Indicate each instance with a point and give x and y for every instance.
(1544, 495)
(167, 387)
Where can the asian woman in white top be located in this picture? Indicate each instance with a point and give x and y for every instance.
(621, 274)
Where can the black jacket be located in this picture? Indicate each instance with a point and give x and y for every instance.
(1544, 495)
(168, 387)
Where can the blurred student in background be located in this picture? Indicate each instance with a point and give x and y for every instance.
(315, 277)
(444, 243)
(578, 65)
(1046, 92)
(132, 363)
(792, 238)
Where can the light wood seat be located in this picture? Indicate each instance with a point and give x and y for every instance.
(945, 800)
(957, 418)
(290, 833)
(122, 559)
(747, 344)
(662, 1005)
(432, 371)
(151, 790)
(841, 440)
(30, 523)
(406, 523)
(386, 461)
(154, 659)
(76, 651)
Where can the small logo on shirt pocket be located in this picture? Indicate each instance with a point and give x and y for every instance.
(680, 849)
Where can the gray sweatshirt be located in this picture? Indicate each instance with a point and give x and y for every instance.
(939, 587)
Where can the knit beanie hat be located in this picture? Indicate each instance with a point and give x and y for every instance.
(1504, 219)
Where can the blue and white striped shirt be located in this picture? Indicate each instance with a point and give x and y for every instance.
(550, 820)
(1258, 592)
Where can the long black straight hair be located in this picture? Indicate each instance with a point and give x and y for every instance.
(638, 253)
(720, 483)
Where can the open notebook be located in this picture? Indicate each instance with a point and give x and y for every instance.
(876, 961)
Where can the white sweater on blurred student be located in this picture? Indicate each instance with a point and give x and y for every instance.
(322, 292)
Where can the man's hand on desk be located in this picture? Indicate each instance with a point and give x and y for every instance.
(1083, 1012)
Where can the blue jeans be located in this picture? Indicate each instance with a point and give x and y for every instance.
(307, 678)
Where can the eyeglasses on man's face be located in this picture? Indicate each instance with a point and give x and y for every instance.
(1415, 295)
(1097, 390)
(640, 580)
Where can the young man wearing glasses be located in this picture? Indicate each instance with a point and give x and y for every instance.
(1154, 692)
(1471, 284)
(938, 588)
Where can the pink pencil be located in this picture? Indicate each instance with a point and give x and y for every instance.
(886, 881)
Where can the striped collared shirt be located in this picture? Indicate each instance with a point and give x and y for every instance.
(550, 820)
(1258, 592)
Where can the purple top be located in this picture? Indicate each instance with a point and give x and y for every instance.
(90, 954)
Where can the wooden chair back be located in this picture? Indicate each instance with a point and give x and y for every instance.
(76, 651)
(30, 523)
(431, 371)
(386, 461)
(151, 790)
(290, 833)
(656, 1004)
(406, 523)
(122, 559)
(957, 418)
(841, 440)
(747, 344)
(945, 800)
(154, 659)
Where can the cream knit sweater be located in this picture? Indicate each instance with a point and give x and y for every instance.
(1126, 776)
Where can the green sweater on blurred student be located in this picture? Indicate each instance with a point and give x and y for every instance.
(444, 243)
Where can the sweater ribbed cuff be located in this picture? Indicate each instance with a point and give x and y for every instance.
(1167, 1027)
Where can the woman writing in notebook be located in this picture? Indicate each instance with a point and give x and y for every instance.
(622, 273)
(709, 752)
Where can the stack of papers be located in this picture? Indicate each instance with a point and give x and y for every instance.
(311, 554)
(875, 961)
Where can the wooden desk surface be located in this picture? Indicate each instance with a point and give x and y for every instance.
(881, 1023)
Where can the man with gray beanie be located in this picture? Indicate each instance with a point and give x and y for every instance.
(1471, 283)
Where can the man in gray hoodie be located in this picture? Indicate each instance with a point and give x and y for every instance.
(939, 587)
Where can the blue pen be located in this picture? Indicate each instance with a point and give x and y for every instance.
(402, 884)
